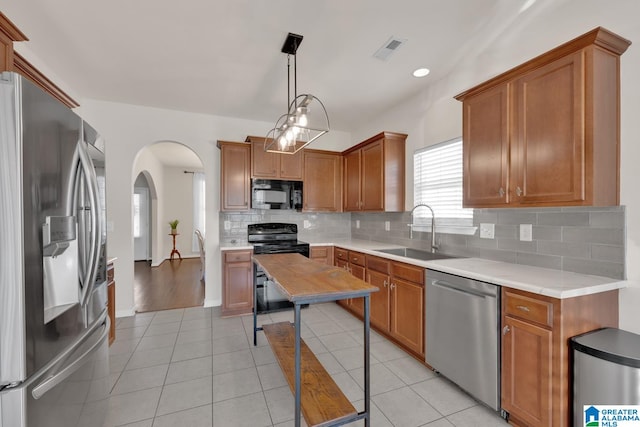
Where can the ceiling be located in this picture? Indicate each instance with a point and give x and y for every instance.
(222, 57)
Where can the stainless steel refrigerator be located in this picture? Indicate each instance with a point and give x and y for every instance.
(53, 321)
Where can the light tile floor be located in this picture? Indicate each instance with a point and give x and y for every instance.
(192, 368)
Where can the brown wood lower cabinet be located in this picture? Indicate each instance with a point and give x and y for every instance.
(397, 309)
(378, 275)
(536, 368)
(321, 254)
(111, 301)
(237, 285)
(407, 306)
(528, 370)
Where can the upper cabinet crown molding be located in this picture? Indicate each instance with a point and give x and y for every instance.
(10, 30)
(24, 67)
(599, 36)
(10, 60)
(547, 133)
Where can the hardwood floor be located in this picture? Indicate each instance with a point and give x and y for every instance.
(173, 284)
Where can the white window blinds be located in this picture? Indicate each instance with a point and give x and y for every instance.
(438, 182)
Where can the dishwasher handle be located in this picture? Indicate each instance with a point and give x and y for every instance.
(461, 289)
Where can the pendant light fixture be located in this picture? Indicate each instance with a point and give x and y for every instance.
(306, 118)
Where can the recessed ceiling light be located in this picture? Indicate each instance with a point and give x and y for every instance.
(421, 72)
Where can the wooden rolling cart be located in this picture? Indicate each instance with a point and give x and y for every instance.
(304, 281)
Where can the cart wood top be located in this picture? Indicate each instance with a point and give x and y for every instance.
(303, 280)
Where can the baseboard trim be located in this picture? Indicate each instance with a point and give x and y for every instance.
(125, 313)
(212, 302)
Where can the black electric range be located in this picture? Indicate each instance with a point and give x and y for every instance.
(273, 238)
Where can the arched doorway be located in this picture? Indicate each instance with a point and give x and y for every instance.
(168, 186)
(143, 194)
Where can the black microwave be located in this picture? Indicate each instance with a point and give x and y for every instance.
(276, 194)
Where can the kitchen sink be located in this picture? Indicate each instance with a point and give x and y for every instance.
(416, 254)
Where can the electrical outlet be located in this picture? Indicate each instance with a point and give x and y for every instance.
(357, 223)
(487, 231)
(387, 225)
(526, 232)
(227, 225)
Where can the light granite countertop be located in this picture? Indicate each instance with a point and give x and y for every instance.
(553, 283)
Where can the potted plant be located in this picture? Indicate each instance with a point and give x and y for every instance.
(174, 226)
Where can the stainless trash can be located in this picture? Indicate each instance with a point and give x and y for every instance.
(606, 370)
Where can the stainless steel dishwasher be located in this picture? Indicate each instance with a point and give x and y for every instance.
(462, 333)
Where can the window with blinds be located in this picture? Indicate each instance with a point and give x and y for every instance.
(438, 183)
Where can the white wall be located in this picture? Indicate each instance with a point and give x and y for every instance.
(434, 116)
(127, 129)
(178, 204)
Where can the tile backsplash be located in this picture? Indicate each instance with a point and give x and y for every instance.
(588, 240)
(314, 227)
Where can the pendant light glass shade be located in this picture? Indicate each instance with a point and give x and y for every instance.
(306, 118)
(306, 121)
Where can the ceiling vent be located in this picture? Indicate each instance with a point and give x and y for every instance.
(389, 47)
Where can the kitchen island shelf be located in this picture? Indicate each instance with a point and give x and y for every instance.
(321, 398)
(304, 281)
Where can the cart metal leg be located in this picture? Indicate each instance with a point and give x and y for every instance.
(296, 321)
(367, 389)
(255, 309)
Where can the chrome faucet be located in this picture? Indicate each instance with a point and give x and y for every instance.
(434, 247)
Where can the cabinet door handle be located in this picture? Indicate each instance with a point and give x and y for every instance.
(501, 192)
(384, 284)
(505, 330)
(518, 191)
(523, 308)
(392, 286)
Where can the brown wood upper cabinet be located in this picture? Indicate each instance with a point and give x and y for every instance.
(547, 133)
(374, 174)
(235, 184)
(273, 165)
(322, 191)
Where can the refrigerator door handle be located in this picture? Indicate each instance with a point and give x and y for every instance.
(91, 269)
(53, 380)
(100, 322)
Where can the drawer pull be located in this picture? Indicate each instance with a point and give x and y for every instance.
(523, 308)
(505, 330)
